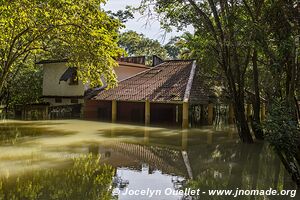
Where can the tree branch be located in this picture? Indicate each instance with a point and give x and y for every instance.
(207, 21)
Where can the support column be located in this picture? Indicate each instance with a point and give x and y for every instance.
(210, 114)
(185, 115)
(231, 114)
(113, 111)
(112, 131)
(146, 135)
(263, 112)
(147, 113)
(46, 113)
(184, 140)
(82, 110)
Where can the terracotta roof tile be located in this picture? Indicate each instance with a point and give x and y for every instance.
(201, 93)
(163, 83)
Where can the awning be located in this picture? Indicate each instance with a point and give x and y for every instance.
(69, 73)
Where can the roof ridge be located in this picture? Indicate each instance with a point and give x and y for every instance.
(141, 72)
(190, 82)
(171, 60)
(128, 64)
(165, 61)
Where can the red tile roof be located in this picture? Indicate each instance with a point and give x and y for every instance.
(163, 83)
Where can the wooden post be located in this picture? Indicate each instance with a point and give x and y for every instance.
(47, 113)
(210, 114)
(82, 110)
(147, 112)
(263, 112)
(185, 115)
(112, 131)
(113, 111)
(146, 135)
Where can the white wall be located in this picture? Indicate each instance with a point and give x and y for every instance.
(51, 85)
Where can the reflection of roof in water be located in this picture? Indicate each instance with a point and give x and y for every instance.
(168, 156)
(167, 160)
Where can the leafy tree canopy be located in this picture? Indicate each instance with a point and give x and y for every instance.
(172, 47)
(138, 45)
(122, 15)
(82, 29)
(26, 86)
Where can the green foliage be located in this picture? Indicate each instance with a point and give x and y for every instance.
(172, 47)
(138, 45)
(171, 13)
(282, 129)
(26, 86)
(85, 179)
(206, 45)
(122, 15)
(86, 33)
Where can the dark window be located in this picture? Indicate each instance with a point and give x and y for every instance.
(58, 100)
(74, 100)
(73, 79)
(103, 114)
(136, 115)
(166, 114)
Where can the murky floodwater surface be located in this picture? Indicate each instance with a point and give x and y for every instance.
(73, 159)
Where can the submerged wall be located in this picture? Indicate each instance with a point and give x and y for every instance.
(97, 110)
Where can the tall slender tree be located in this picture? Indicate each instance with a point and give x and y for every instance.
(222, 20)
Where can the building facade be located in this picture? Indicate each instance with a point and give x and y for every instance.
(61, 87)
(162, 95)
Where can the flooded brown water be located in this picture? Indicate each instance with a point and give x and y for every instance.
(48, 159)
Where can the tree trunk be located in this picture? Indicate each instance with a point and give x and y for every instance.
(1, 83)
(3, 75)
(289, 164)
(241, 121)
(256, 123)
(236, 175)
(255, 162)
(297, 108)
(277, 172)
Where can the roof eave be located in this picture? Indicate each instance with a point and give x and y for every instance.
(190, 82)
(51, 61)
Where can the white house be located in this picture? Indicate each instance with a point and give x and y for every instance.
(60, 86)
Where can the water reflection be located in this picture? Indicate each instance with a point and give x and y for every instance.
(146, 157)
(146, 178)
